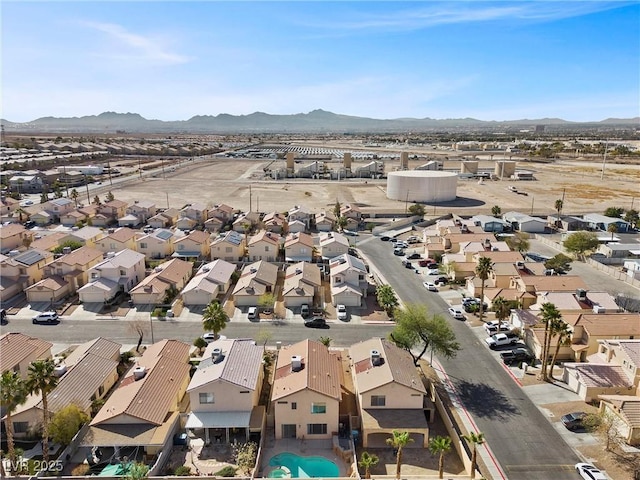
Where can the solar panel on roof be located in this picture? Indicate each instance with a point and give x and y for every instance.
(234, 237)
(29, 257)
(164, 234)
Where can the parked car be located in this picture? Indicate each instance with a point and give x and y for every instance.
(401, 244)
(46, 318)
(414, 256)
(516, 355)
(495, 327)
(456, 313)
(351, 233)
(501, 340)
(209, 337)
(413, 239)
(432, 271)
(3, 317)
(385, 238)
(573, 421)
(398, 251)
(304, 310)
(252, 313)
(428, 262)
(342, 312)
(442, 280)
(430, 286)
(589, 472)
(316, 322)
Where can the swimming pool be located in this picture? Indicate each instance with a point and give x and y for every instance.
(302, 467)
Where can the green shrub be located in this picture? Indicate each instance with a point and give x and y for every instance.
(182, 471)
(227, 471)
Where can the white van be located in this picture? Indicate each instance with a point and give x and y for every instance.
(252, 313)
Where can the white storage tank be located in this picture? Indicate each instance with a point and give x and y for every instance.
(422, 186)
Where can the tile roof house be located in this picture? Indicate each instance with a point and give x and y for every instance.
(302, 282)
(12, 237)
(20, 270)
(196, 245)
(164, 219)
(348, 276)
(84, 376)
(212, 280)
(256, 279)
(171, 275)
(117, 239)
(48, 242)
(300, 214)
(119, 272)
(58, 207)
(142, 210)
(225, 390)
(389, 390)
(222, 212)
(333, 244)
(274, 222)
(306, 392)
(547, 283)
(214, 225)
(230, 247)
(264, 246)
(18, 351)
(157, 244)
(64, 276)
(324, 221)
(246, 221)
(8, 207)
(113, 209)
(298, 247)
(195, 211)
(87, 235)
(350, 210)
(144, 410)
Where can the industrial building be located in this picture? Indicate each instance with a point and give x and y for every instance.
(422, 186)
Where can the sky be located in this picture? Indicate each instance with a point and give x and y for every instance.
(502, 60)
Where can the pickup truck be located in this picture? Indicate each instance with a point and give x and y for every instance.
(501, 340)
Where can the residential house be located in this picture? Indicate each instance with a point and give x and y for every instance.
(49, 240)
(324, 221)
(332, 245)
(186, 224)
(113, 209)
(256, 279)
(157, 244)
(26, 183)
(129, 220)
(64, 276)
(221, 212)
(42, 218)
(20, 350)
(306, 392)
(86, 375)
(117, 239)
(19, 270)
(452, 242)
(72, 218)
(214, 225)
(596, 221)
(620, 251)
(522, 222)
(224, 392)
(167, 277)
(144, 411)
(296, 226)
(390, 392)
(545, 283)
(195, 245)
(9, 209)
(211, 281)
(119, 272)
(142, 210)
(298, 247)
(567, 223)
(195, 211)
(245, 222)
(582, 301)
(164, 219)
(230, 247)
(13, 237)
(89, 236)
(264, 246)
(470, 249)
(302, 282)
(499, 277)
(274, 222)
(299, 214)
(626, 409)
(58, 207)
(352, 212)
(349, 284)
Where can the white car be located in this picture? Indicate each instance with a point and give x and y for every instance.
(589, 472)
(342, 312)
(209, 337)
(350, 233)
(430, 286)
(495, 327)
(402, 244)
(47, 318)
(432, 271)
(456, 313)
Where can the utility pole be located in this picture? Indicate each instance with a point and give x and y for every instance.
(250, 199)
(86, 184)
(604, 160)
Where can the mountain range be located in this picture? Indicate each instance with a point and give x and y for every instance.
(316, 121)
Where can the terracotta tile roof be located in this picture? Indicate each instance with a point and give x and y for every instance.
(197, 236)
(600, 375)
(610, 325)
(100, 347)
(16, 347)
(116, 203)
(396, 366)
(80, 256)
(268, 237)
(501, 256)
(54, 282)
(256, 277)
(48, 242)
(554, 283)
(628, 406)
(321, 371)
(122, 234)
(8, 231)
(295, 238)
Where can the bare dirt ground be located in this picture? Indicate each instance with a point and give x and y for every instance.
(241, 184)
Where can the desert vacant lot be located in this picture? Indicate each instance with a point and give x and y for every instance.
(240, 182)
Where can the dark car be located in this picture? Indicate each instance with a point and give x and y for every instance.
(573, 421)
(3, 317)
(385, 238)
(516, 355)
(316, 322)
(414, 256)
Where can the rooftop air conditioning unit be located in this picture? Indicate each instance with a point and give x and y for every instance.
(599, 309)
(296, 363)
(139, 372)
(581, 293)
(60, 370)
(216, 354)
(376, 359)
(520, 265)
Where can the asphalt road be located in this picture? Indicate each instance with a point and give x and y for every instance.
(523, 441)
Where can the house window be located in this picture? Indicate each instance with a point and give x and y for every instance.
(180, 247)
(303, 251)
(318, 408)
(294, 405)
(316, 428)
(378, 400)
(143, 245)
(123, 273)
(361, 277)
(22, 271)
(266, 248)
(20, 427)
(94, 275)
(228, 249)
(112, 246)
(206, 398)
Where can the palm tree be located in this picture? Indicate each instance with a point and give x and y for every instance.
(368, 460)
(563, 332)
(474, 439)
(483, 269)
(496, 211)
(74, 196)
(214, 318)
(398, 441)
(42, 380)
(612, 229)
(326, 341)
(13, 392)
(501, 307)
(558, 205)
(439, 445)
(549, 314)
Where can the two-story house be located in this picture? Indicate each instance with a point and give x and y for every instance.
(264, 246)
(224, 392)
(89, 236)
(119, 272)
(164, 219)
(274, 222)
(390, 392)
(348, 275)
(256, 279)
(300, 214)
(157, 244)
(195, 245)
(245, 222)
(13, 237)
(113, 210)
(306, 392)
(8, 209)
(64, 276)
(333, 244)
(212, 280)
(230, 247)
(20, 350)
(58, 207)
(298, 247)
(142, 210)
(171, 275)
(117, 239)
(196, 212)
(302, 282)
(324, 221)
(21, 270)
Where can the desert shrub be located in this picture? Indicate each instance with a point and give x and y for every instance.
(182, 471)
(227, 471)
(81, 470)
